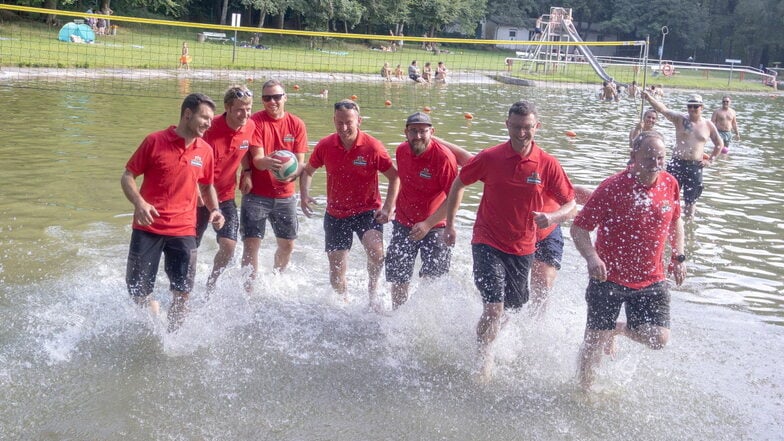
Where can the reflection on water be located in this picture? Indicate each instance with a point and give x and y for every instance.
(78, 361)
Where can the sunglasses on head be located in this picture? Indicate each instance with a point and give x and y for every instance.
(276, 97)
(243, 93)
(345, 105)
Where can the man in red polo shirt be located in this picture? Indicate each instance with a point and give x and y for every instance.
(636, 212)
(268, 198)
(353, 160)
(176, 164)
(426, 169)
(231, 135)
(515, 175)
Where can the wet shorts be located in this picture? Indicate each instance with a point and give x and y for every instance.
(402, 252)
(649, 305)
(230, 227)
(501, 277)
(727, 138)
(282, 215)
(550, 249)
(144, 256)
(338, 232)
(689, 176)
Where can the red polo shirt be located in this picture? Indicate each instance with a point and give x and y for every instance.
(425, 181)
(634, 222)
(549, 206)
(287, 133)
(515, 187)
(172, 173)
(352, 175)
(229, 146)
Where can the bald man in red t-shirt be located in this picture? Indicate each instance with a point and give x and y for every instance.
(515, 174)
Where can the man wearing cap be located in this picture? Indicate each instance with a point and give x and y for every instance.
(515, 174)
(426, 169)
(692, 132)
(353, 159)
(266, 198)
(726, 123)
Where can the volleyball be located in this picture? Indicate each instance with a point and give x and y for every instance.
(288, 167)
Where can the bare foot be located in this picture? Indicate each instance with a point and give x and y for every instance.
(155, 308)
(609, 345)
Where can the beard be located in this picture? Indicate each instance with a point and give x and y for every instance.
(418, 145)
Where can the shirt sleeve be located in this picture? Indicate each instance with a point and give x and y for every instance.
(139, 161)
(474, 170)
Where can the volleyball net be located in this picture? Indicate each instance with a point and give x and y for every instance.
(147, 57)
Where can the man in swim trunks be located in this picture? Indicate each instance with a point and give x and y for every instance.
(692, 132)
(726, 123)
(635, 212)
(516, 174)
(176, 164)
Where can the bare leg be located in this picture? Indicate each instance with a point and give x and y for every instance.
(225, 252)
(338, 261)
(486, 333)
(373, 241)
(654, 337)
(688, 211)
(250, 257)
(590, 354)
(283, 254)
(178, 310)
(147, 302)
(399, 294)
(542, 281)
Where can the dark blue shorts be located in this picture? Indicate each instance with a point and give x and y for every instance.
(282, 215)
(689, 176)
(402, 252)
(230, 227)
(338, 233)
(649, 305)
(501, 277)
(144, 256)
(550, 249)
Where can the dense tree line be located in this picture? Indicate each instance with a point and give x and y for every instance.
(706, 30)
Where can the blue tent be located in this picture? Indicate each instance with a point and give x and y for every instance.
(82, 30)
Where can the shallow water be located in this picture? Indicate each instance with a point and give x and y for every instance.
(78, 361)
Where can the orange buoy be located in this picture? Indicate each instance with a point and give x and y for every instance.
(468, 116)
(387, 103)
(353, 97)
(296, 87)
(570, 134)
(426, 109)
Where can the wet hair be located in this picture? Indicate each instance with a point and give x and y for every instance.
(237, 93)
(642, 138)
(523, 108)
(194, 100)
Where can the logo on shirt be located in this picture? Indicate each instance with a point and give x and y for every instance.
(666, 207)
(245, 144)
(196, 161)
(425, 174)
(360, 162)
(534, 179)
(288, 138)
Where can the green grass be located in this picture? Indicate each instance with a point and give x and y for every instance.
(146, 46)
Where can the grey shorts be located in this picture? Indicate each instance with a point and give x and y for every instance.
(402, 252)
(230, 227)
(144, 255)
(689, 176)
(282, 215)
(501, 277)
(649, 305)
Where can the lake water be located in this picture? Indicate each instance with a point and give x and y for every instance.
(79, 361)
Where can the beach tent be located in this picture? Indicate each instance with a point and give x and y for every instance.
(79, 29)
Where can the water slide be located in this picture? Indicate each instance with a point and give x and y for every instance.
(585, 51)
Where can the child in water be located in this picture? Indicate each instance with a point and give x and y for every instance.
(185, 58)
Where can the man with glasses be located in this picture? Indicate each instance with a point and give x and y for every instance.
(177, 164)
(692, 132)
(231, 135)
(353, 159)
(266, 197)
(726, 123)
(426, 169)
(516, 174)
